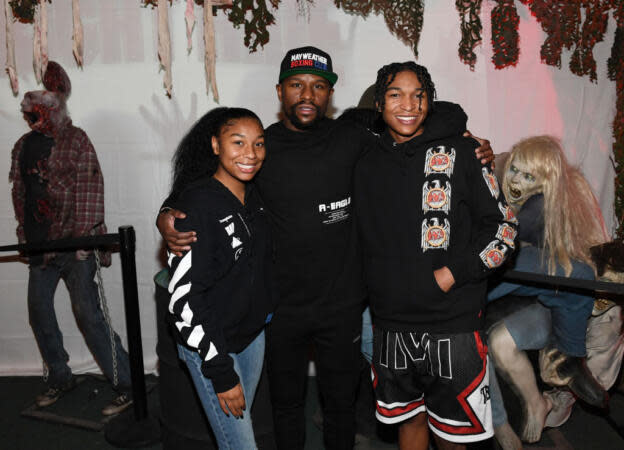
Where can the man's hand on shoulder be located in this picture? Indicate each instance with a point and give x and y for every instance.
(177, 241)
(484, 152)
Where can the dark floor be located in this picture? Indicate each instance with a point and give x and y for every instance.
(585, 430)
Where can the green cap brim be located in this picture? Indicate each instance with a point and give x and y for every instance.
(329, 76)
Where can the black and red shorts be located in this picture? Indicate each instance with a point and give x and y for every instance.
(444, 375)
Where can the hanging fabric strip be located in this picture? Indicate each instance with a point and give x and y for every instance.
(210, 53)
(189, 18)
(11, 69)
(44, 36)
(37, 44)
(164, 44)
(78, 34)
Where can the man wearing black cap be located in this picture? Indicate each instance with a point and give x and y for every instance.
(307, 189)
(306, 184)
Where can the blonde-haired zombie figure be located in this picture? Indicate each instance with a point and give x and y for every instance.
(559, 220)
(561, 213)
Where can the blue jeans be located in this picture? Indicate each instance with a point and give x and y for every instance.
(570, 311)
(83, 292)
(231, 432)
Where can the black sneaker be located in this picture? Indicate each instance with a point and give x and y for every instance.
(119, 404)
(54, 393)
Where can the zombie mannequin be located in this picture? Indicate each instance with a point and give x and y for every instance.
(559, 222)
(58, 192)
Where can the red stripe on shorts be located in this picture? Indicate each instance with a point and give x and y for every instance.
(399, 411)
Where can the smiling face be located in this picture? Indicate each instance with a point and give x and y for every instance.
(240, 148)
(406, 107)
(305, 98)
(521, 183)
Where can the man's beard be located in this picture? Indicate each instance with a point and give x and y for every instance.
(292, 116)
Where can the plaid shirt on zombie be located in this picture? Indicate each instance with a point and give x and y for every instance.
(75, 188)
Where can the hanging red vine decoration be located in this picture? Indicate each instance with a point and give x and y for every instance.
(470, 30)
(561, 20)
(505, 22)
(594, 27)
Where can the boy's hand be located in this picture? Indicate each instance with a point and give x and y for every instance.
(444, 278)
(177, 241)
(234, 400)
(484, 151)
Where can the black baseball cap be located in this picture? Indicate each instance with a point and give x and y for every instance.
(307, 60)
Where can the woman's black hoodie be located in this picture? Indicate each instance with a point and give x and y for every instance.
(221, 290)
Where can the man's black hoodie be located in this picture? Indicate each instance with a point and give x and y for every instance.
(420, 206)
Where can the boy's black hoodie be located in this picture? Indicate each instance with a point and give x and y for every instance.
(420, 206)
(221, 290)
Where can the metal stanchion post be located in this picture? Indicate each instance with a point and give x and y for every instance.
(133, 321)
(143, 430)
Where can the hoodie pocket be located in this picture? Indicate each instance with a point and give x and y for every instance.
(436, 289)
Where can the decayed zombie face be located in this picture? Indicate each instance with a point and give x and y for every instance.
(521, 183)
(43, 111)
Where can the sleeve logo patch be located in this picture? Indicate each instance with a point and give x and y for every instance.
(508, 214)
(434, 235)
(494, 254)
(436, 198)
(439, 160)
(491, 181)
(507, 234)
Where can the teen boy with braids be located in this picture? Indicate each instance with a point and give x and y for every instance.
(432, 228)
(306, 184)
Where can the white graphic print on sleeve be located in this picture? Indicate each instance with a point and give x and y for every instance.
(179, 287)
(508, 214)
(212, 352)
(507, 234)
(439, 160)
(491, 181)
(434, 235)
(435, 197)
(494, 254)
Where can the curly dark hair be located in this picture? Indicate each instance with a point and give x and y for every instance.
(387, 74)
(194, 158)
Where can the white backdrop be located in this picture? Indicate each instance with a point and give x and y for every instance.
(119, 101)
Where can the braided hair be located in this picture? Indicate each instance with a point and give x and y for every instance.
(194, 157)
(387, 74)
